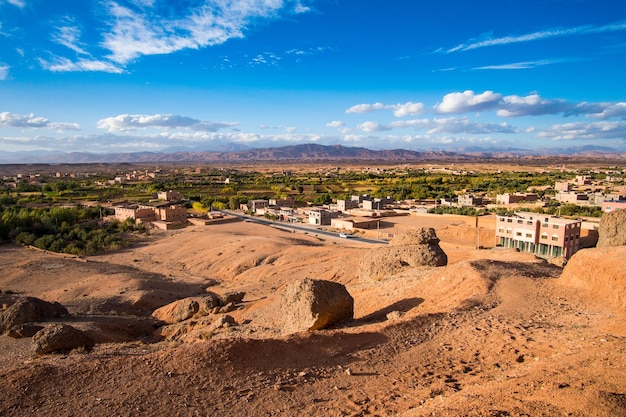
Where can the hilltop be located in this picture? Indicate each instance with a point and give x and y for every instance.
(495, 332)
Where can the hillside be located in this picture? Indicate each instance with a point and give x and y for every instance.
(493, 333)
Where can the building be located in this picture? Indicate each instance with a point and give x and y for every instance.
(319, 217)
(541, 234)
(345, 205)
(253, 205)
(152, 213)
(469, 200)
(516, 198)
(612, 205)
(171, 195)
(136, 212)
(571, 197)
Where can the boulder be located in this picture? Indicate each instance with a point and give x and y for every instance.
(177, 311)
(310, 304)
(612, 230)
(28, 310)
(60, 338)
(22, 331)
(415, 248)
(421, 236)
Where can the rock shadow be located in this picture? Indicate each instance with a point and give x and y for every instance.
(381, 315)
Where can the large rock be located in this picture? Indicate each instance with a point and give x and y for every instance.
(28, 310)
(421, 236)
(311, 304)
(612, 231)
(60, 338)
(177, 311)
(186, 308)
(418, 247)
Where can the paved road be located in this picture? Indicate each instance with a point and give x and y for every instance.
(299, 227)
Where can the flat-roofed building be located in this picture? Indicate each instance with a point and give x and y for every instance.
(544, 235)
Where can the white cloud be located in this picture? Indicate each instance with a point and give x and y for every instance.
(408, 109)
(467, 101)
(335, 123)
(17, 3)
(133, 34)
(69, 36)
(4, 71)
(546, 34)
(61, 64)
(130, 122)
(465, 126)
(372, 127)
(585, 131)
(30, 121)
(450, 125)
(365, 108)
(612, 110)
(523, 64)
(534, 105)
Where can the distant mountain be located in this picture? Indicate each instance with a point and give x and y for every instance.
(313, 152)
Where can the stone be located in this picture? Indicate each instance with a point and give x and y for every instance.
(612, 230)
(177, 311)
(415, 248)
(29, 310)
(60, 338)
(22, 331)
(310, 304)
(232, 297)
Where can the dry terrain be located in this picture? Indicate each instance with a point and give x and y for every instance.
(494, 333)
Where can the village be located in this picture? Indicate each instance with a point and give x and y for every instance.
(521, 227)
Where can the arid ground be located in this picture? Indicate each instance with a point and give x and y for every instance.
(494, 333)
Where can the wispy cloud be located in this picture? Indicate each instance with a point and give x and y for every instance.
(17, 3)
(69, 36)
(130, 122)
(60, 64)
(4, 71)
(524, 64)
(539, 35)
(135, 34)
(30, 121)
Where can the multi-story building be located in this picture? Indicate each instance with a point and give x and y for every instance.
(612, 205)
(319, 217)
(541, 234)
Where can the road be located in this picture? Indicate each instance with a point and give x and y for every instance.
(296, 227)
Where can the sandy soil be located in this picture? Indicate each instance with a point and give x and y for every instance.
(494, 333)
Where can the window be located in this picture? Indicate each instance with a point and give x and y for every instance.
(544, 225)
(520, 221)
(544, 235)
(555, 226)
(529, 222)
(518, 234)
(509, 220)
(529, 235)
(555, 238)
(501, 230)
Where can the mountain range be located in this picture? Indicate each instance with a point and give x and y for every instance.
(312, 153)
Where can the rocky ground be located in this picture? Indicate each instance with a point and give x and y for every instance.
(493, 333)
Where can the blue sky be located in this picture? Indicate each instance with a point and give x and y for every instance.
(149, 75)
